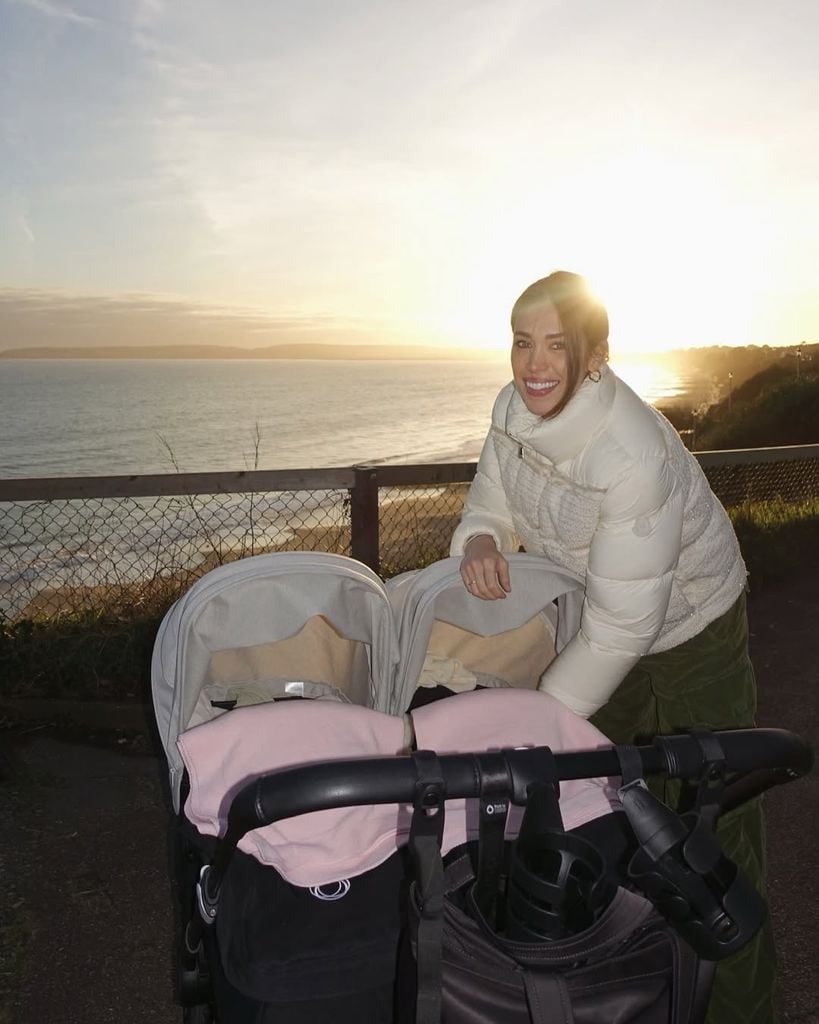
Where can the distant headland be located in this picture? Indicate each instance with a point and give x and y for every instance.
(293, 351)
(715, 361)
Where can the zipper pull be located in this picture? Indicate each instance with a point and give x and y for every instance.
(520, 451)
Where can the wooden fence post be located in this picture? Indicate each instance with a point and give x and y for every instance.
(364, 517)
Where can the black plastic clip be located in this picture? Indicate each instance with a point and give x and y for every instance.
(207, 899)
(711, 786)
(681, 867)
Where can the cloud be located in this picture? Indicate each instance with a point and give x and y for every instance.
(56, 10)
(34, 318)
(147, 13)
(25, 227)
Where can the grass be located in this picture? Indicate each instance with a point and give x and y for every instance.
(779, 539)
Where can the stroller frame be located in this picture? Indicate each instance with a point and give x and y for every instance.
(757, 760)
(267, 599)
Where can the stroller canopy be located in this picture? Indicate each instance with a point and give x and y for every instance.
(433, 610)
(327, 621)
(230, 625)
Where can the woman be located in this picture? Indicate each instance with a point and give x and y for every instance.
(578, 468)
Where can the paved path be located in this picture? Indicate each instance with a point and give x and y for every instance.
(87, 926)
(90, 923)
(785, 651)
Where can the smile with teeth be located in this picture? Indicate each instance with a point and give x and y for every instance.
(540, 387)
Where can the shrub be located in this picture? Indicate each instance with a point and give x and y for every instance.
(81, 656)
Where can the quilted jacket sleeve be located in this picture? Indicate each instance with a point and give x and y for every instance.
(485, 508)
(632, 558)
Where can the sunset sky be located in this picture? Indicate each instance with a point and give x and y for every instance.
(257, 171)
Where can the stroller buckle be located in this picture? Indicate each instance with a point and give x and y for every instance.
(206, 902)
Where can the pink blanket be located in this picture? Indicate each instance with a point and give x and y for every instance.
(493, 719)
(223, 755)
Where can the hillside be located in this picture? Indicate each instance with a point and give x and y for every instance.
(769, 409)
(741, 362)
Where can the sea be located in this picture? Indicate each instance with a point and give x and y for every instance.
(99, 418)
(95, 417)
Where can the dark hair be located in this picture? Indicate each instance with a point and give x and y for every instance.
(583, 319)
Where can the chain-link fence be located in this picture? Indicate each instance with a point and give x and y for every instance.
(118, 545)
(763, 475)
(105, 544)
(416, 525)
(125, 552)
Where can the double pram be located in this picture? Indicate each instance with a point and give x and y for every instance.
(352, 846)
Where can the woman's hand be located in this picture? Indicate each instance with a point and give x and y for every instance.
(484, 570)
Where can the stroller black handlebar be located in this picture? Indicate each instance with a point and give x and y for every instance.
(759, 758)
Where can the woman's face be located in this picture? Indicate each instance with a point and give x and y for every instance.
(540, 363)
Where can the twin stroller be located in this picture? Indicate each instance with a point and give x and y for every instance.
(350, 846)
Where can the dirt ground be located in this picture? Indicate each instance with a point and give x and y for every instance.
(785, 650)
(87, 922)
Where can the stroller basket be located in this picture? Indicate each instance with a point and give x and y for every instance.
(756, 759)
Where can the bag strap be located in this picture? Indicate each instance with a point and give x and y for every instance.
(547, 998)
(427, 891)
(711, 787)
(495, 786)
(690, 984)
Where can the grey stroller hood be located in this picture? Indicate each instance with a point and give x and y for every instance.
(425, 599)
(246, 607)
(308, 623)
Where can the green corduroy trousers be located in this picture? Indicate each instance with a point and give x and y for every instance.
(708, 681)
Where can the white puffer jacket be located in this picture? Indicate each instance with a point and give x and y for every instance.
(608, 490)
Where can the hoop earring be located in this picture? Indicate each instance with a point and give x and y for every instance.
(594, 376)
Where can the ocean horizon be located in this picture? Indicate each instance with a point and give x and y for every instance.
(95, 417)
(98, 418)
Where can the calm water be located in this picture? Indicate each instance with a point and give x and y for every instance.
(100, 418)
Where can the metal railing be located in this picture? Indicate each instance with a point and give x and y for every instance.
(117, 543)
(749, 475)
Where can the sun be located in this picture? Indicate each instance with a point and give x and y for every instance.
(679, 264)
(667, 247)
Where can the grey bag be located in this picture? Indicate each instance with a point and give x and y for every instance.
(621, 962)
(629, 967)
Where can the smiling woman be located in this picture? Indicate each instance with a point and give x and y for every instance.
(577, 469)
(555, 345)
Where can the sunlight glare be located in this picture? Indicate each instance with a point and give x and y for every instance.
(669, 249)
(678, 251)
